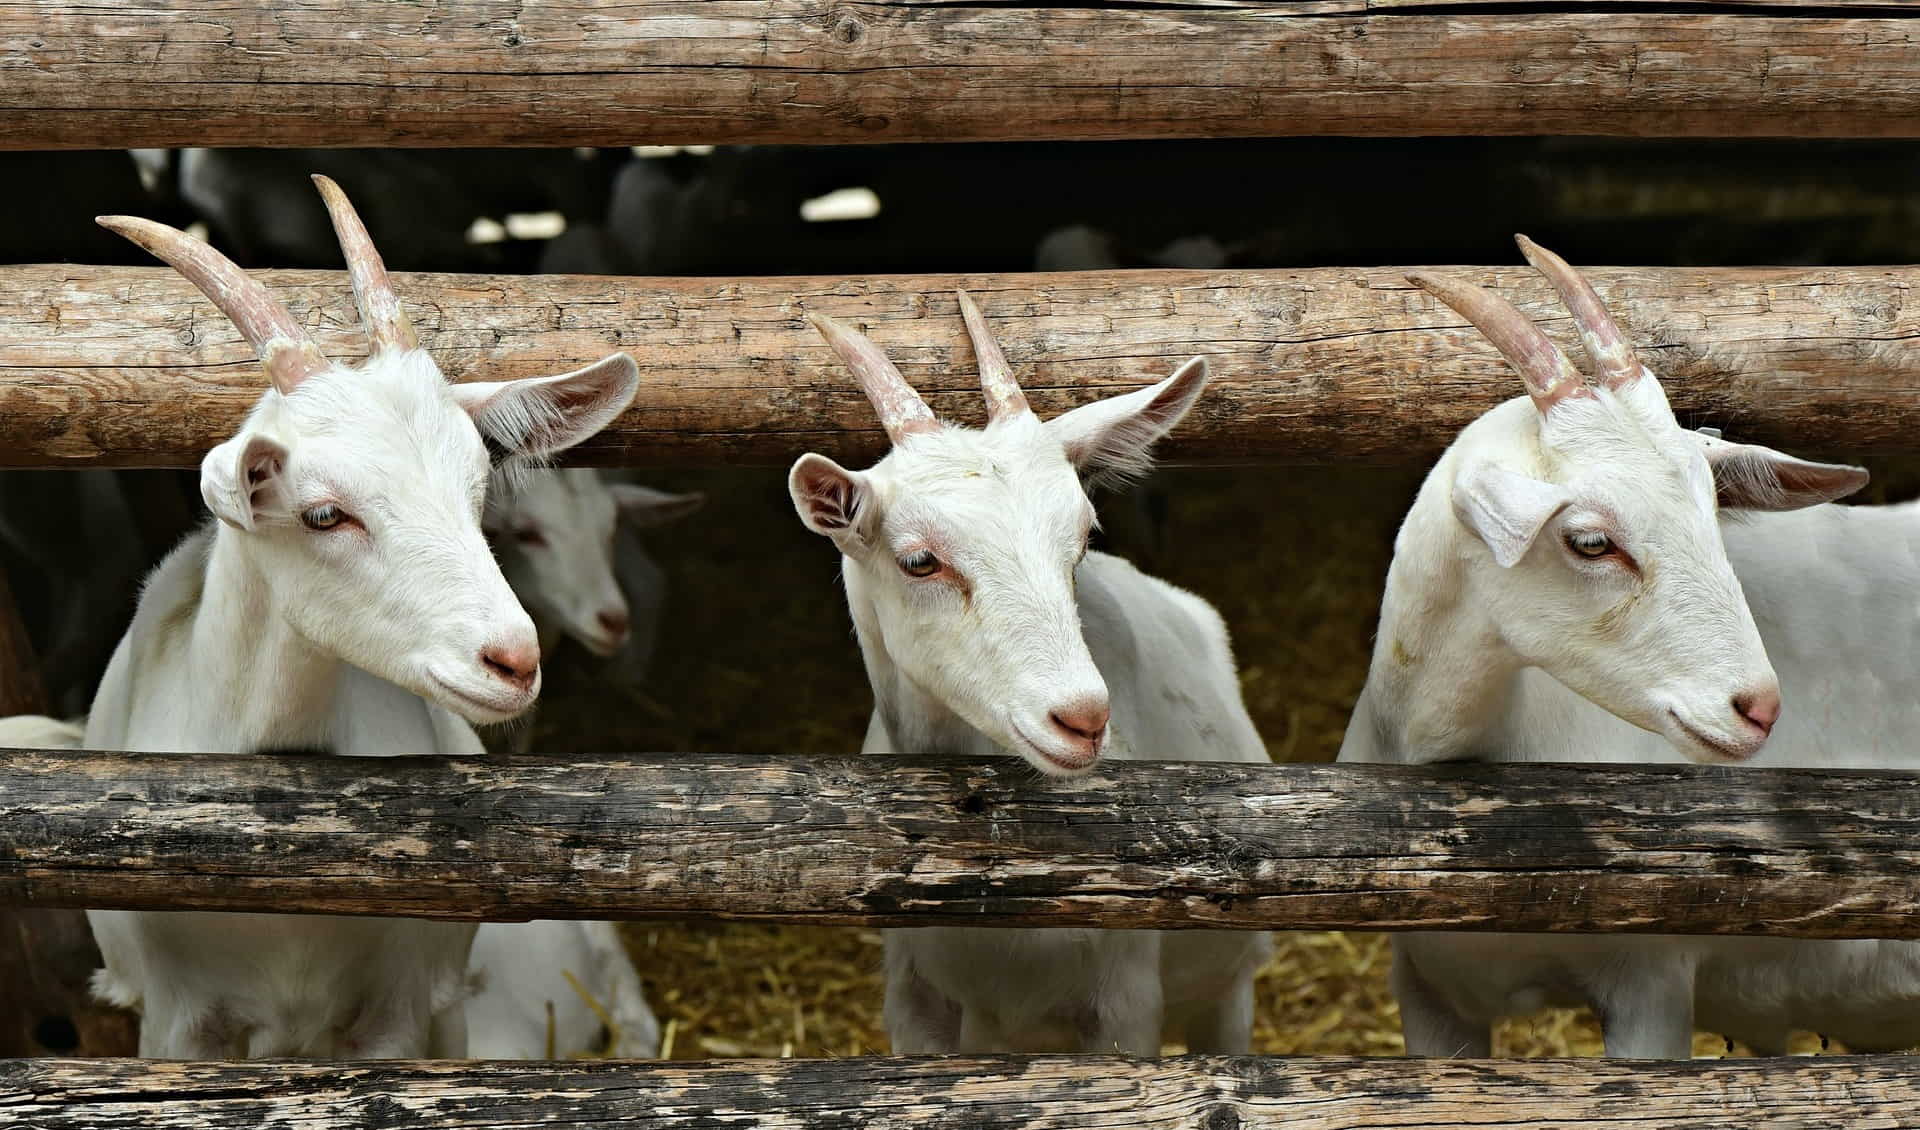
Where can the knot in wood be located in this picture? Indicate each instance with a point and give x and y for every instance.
(1221, 1117)
(848, 29)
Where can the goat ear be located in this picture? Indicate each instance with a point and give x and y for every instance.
(1505, 509)
(646, 507)
(541, 416)
(1116, 435)
(833, 501)
(241, 477)
(1750, 477)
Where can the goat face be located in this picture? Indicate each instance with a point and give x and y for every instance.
(555, 533)
(357, 491)
(1600, 518)
(961, 546)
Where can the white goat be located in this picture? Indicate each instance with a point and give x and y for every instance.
(1561, 591)
(345, 600)
(987, 627)
(557, 990)
(556, 533)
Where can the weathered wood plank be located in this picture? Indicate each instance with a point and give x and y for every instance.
(875, 841)
(575, 72)
(968, 1093)
(133, 367)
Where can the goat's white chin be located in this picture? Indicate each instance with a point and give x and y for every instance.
(599, 643)
(1702, 745)
(484, 700)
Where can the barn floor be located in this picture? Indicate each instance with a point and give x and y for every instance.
(1293, 557)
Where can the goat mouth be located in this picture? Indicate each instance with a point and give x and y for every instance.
(1720, 748)
(1052, 759)
(501, 708)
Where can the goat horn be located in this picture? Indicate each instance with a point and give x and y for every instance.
(381, 314)
(1612, 356)
(281, 344)
(1548, 375)
(1004, 397)
(901, 410)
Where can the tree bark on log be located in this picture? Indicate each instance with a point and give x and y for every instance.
(877, 841)
(132, 367)
(572, 72)
(969, 1093)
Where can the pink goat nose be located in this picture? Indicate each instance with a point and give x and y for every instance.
(613, 623)
(517, 664)
(1082, 721)
(1762, 708)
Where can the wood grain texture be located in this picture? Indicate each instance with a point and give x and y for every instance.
(132, 367)
(574, 72)
(968, 1093)
(871, 841)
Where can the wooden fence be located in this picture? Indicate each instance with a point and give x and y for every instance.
(129, 367)
(575, 72)
(875, 841)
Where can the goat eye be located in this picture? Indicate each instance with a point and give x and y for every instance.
(920, 563)
(529, 537)
(1590, 543)
(323, 517)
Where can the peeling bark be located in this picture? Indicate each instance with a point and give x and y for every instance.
(875, 841)
(968, 1093)
(131, 367)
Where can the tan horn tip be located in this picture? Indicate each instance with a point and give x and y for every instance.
(1423, 280)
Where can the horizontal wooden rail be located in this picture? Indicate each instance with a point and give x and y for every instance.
(885, 842)
(575, 72)
(131, 366)
(968, 1093)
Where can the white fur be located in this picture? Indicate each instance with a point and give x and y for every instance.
(556, 535)
(522, 969)
(1831, 590)
(971, 663)
(259, 633)
(1550, 660)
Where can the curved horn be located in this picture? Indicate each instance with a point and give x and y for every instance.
(1548, 375)
(1613, 359)
(901, 410)
(1004, 397)
(281, 344)
(381, 314)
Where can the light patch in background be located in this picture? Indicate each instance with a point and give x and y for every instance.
(841, 204)
(484, 230)
(198, 230)
(672, 150)
(536, 225)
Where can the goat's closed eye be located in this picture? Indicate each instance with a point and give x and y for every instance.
(528, 535)
(323, 518)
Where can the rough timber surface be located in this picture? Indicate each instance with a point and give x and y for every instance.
(968, 1093)
(852, 840)
(573, 72)
(132, 367)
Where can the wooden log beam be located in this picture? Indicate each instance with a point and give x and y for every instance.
(574, 72)
(852, 840)
(132, 367)
(969, 1093)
